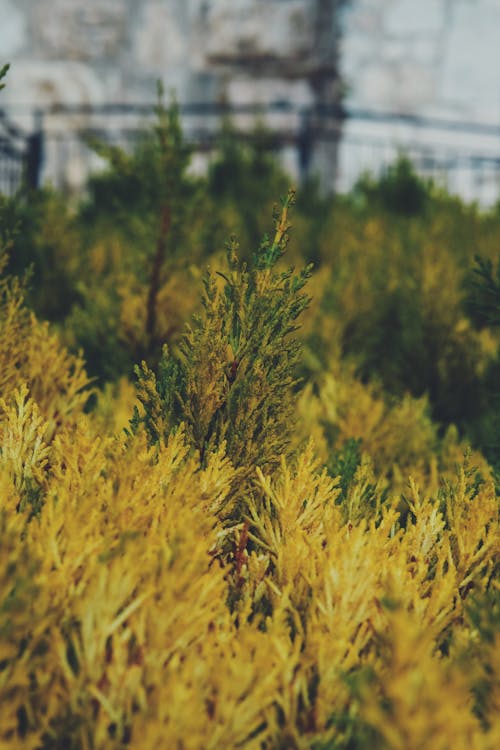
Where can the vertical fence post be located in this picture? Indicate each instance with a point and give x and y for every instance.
(34, 152)
(305, 144)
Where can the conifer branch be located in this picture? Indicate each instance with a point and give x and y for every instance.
(233, 379)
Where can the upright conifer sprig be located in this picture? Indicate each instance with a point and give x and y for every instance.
(232, 379)
(152, 204)
(3, 73)
(483, 301)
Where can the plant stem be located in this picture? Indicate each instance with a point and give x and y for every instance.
(154, 285)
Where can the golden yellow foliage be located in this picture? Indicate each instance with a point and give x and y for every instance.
(32, 355)
(137, 611)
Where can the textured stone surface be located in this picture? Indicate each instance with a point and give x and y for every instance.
(129, 44)
(80, 52)
(415, 17)
(471, 60)
(426, 57)
(246, 30)
(90, 31)
(13, 31)
(423, 56)
(431, 58)
(438, 56)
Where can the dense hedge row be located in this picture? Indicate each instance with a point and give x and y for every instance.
(282, 530)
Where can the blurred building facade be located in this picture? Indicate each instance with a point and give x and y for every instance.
(436, 64)
(241, 52)
(432, 60)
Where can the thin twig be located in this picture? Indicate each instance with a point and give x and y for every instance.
(154, 285)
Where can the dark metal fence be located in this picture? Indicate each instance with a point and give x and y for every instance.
(11, 157)
(463, 157)
(20, 156)
(49, 146)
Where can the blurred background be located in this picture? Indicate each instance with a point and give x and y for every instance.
(385, 113)
(343, 86)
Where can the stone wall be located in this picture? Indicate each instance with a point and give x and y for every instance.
(434, 59)
(92, 52)
(431, 58)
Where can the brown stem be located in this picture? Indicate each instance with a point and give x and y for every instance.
(154, 284)
(240, 551)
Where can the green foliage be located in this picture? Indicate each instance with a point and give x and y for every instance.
(148, 206)
(49, 245)
(410, 350)
(483, 305)
(116, 274)
(3, 73)
(483, 301)
(232, 380)
(143, 181)
(132, 614)
(243, 181)
(8, 227)
(483, 614)
(345, 462)
(388, 310)
(399, 191)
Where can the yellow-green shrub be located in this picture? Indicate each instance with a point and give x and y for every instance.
(203, 581)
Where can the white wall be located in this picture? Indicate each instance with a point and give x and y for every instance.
(79, 52)
(432, 58)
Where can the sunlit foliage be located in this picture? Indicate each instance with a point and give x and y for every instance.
(254, 562)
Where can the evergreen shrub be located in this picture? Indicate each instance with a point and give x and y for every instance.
(251, 564)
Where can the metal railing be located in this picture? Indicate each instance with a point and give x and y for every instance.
(48, 146)
(12, 150)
